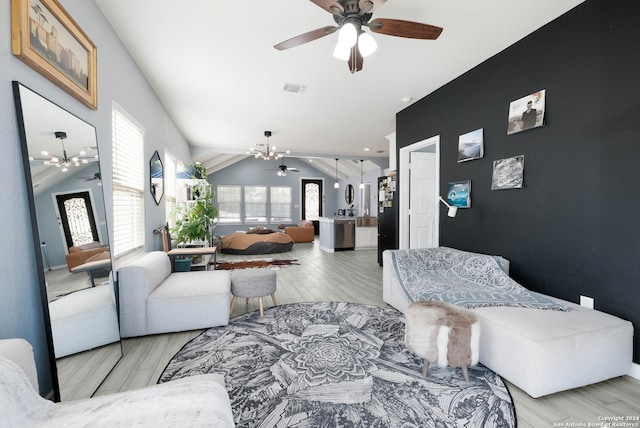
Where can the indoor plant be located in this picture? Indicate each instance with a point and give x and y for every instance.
(194, 221)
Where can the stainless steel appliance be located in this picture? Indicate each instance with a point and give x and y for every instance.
(344, 234)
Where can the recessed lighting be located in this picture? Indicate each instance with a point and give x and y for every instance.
(407, 99)
(310, 160)
(366, 149)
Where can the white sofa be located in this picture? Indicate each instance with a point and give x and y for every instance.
(153, 300)
(84, 319)
(542, 351)
(191, 401)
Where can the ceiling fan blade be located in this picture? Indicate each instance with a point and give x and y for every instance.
(408, 29)
(330, 6)
(293, 169)
(355, 59)
(306, 37)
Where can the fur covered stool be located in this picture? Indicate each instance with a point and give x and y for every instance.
(253, 283)
(443, 333)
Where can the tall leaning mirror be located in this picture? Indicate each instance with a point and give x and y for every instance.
(62, 173)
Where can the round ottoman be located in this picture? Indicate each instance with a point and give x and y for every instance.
(253, 283)
(442, 333)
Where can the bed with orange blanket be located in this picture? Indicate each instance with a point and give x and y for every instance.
(257, 240)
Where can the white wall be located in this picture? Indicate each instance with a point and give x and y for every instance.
(120, 80)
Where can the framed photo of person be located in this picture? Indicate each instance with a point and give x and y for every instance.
(526, 112)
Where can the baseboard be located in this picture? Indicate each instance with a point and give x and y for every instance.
(635, 371)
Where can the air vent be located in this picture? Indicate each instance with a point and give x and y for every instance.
(292, 87)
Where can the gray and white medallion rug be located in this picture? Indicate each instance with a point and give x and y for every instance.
(337, 365)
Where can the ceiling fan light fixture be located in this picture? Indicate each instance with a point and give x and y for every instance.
(348, 35)
(366, 44)
(342, 52)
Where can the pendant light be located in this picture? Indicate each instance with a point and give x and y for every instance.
(361, 182)
(336, 185)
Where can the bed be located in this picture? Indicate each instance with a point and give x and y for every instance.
(256, 241)
(539, 343)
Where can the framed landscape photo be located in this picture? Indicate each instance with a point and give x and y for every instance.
(526, 112)
(508, 173)
(471, 145)
(459, 194)
(44, 36)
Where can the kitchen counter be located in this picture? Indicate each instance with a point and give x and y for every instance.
(366, 233)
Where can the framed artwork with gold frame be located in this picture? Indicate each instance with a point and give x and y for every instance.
(44, 36)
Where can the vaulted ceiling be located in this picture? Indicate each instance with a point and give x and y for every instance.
(213, 66)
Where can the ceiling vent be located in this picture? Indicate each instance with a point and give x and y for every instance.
(292, 87)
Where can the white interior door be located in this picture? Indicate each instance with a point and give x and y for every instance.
(419, 230)
(423, 200)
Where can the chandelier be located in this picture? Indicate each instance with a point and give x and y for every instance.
(64, 161)
(266, 152)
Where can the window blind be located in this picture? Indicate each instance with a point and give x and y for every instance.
(128, 183)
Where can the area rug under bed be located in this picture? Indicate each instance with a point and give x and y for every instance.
(337, 364)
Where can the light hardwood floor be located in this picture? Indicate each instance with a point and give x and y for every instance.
(354, 276)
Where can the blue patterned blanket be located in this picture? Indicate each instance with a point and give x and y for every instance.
(466, 279)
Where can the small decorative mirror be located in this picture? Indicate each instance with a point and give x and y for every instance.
(349, 194)
(156, 173)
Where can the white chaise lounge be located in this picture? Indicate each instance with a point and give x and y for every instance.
(541, 351)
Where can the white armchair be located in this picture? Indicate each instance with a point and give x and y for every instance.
(193, 401)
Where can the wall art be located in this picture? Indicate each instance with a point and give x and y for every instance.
(508, 173)
(44, 36)
(459, 194)
(526, 113)
(471, 145)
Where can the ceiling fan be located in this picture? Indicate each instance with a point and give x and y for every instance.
(95, 176)
(354, 43)
(283, 169)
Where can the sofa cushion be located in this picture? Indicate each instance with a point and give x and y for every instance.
(83, 320)
(558, 349)
(189, 301)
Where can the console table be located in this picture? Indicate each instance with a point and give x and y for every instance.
(194, 251)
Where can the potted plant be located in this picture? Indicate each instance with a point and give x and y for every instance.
(194, 222)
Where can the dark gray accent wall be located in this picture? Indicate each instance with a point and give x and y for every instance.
(573, 229)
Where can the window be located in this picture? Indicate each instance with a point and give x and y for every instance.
(170, 186)
(128, 182)
(255, 204)
(280, 204)
(229, 202)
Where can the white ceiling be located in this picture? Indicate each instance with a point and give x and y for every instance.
(213, 66)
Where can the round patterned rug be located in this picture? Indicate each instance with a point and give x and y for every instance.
(337, 364)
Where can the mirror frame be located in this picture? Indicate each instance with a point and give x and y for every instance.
(36, 241)
(349, 194)
(156, 181)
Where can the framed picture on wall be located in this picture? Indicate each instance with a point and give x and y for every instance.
(459, 194)
(526, 112)
(44, 36)
(471, 145)
(508, 173)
